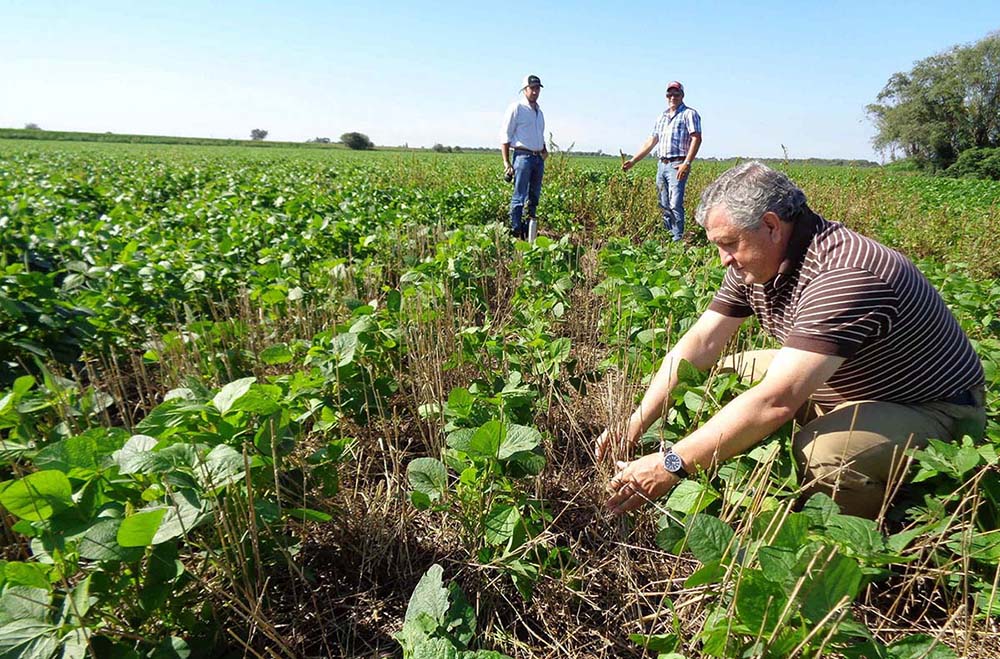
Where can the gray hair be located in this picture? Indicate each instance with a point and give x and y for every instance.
(748, 191)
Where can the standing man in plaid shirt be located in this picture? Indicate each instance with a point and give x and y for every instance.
(678, 134)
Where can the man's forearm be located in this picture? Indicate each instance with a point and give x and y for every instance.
(693, 149)
(505, 153)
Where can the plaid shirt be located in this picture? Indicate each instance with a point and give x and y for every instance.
(675, 133)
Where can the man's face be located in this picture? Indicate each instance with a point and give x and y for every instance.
(531, 93)
(754, 254)
(674, 97)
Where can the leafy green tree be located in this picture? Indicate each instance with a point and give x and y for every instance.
(946, 104)
(356, 141)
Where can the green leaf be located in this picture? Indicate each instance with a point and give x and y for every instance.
(308, 515)
(709, 537)
(430, 597)
(90, 450)
(231, 393)
(100, 543)
(28, 639)
(839, 578)
(709, 573)
(222, 466)
(35, 575)
(778, 563)
(820, 509)
(518, 438)
(759, 602)
(486, 440)
(139, 530)
(656, 642)
(856, 536)
(920, 646)
(25, 603)
(37, 496)
(186, 512)
(500, 524)
(136, 456)
(171, 648)
(428, 476)
(691, 496)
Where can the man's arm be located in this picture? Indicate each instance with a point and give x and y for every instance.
(684, 168)
(753, 415)
(508, 169)
(643, 152)
(701, 345)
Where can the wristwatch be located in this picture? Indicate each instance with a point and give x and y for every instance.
(673, 464)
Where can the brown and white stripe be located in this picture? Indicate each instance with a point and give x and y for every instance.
(851, 296)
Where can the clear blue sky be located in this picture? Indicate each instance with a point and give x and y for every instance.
(761, 73)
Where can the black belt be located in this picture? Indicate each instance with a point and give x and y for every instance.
(534, 153)
(673, 159)
(963, 397)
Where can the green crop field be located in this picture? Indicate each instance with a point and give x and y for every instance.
(293, 402)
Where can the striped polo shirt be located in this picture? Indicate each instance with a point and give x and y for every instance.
(674, 132)
(840, 293)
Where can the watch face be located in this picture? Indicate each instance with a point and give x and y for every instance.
(672, 462)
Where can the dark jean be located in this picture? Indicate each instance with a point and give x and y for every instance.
(671, 197)
(528, 170)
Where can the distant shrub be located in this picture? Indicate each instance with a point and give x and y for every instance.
(258, 134)
(356, 141)
(976, 163)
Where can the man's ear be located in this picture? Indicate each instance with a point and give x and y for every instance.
(772, 223)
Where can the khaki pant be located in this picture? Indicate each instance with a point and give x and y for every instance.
(852, 451)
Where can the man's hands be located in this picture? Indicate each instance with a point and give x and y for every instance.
(627, 165)
(637, 482)
(683, 169)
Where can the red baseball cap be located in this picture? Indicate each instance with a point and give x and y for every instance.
(675, 85)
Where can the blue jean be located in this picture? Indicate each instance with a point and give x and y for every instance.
(671, 197)
(528, 170)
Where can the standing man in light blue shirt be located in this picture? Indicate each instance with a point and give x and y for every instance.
(678, 133)
(524, 134)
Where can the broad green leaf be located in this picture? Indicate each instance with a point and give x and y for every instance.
(656, 642)
(430, 597)
(171, 648)
(91, 450)
(518, 438)
(500, 524)
(778, 563)
(138, 530)
(709, 537)
(35, 575)
(838, 579)
(25, 603)
(28, 639)
(222, 466)
(38, 495)
(276, 354)
(231, 393)
(857, 536)
(136, 455)
(820, 509)
(100, 543)
(460, 439)
(691, 496)
(428, 476)
(709, 573)
(759, 602)
(920, 646)
(186, 512)
(486, 440)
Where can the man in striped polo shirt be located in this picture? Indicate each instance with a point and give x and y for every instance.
(871, 360)
(678, 134)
